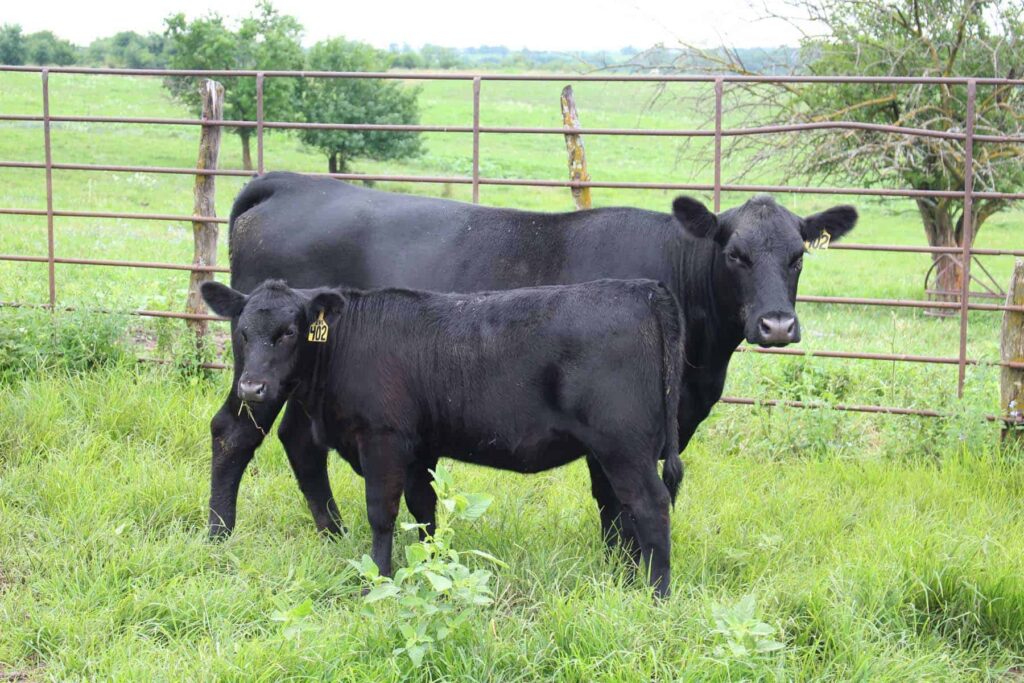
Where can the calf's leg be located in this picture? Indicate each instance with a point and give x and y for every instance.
(420, 497)
(645, 499)
(309, 463)
(616, 528)
(235, 433)
(384, 459)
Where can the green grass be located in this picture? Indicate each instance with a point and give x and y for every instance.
(882, 548)
(871, 568)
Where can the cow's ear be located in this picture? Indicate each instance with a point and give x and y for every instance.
(838, 221)
(329, 301)
(694, 216)
(223, 300)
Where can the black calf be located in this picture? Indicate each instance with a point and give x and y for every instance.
(523, 380)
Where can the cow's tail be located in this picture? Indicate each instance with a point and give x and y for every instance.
(669, 317)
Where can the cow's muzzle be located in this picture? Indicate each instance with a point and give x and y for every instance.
(777, 329)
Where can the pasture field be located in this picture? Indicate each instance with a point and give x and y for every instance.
(876, 548)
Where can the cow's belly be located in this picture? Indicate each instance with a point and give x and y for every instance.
(527, 456)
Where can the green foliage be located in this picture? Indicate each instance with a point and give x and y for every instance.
(34, 342)
(437, 57)
(12, 45)
(295, 620)
(978, 38)
(742, 637)
(44, 48)
(435, 590)
(267, 40)
(128, 50)
(357, 100)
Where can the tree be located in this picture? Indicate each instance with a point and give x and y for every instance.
(44, 48)
(128, 49)
(357, 100)
(979, 38)
(265, 41)
(12, 45)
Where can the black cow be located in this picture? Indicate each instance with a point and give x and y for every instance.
(735, 276)
(524, 380)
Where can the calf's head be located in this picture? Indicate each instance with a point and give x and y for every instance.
(270, 333)
(759, 248)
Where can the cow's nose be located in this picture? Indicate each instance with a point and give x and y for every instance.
(252, 391)
(778, 329)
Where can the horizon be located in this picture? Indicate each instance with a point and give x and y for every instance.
(609, 26)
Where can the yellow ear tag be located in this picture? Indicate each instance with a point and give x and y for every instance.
(318, 330)
(820, 243)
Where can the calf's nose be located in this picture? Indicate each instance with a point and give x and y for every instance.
(778, 329)
(252, 391)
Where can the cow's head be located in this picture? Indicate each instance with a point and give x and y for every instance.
(270, 333)
(759, 254)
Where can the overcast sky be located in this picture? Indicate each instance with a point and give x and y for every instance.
(534, 24)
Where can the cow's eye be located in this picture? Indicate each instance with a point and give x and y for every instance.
(737, 258)
(286, 335)
(245, 337)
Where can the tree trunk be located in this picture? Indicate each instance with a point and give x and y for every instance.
(246, 153)
(947, 277)
(332, 163)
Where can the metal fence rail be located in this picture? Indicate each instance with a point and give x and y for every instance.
(475, 180)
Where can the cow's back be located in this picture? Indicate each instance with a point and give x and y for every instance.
(317, 231)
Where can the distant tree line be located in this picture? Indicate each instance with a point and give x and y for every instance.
(132, 50)
(269, 40)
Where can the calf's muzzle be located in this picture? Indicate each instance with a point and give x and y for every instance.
(252, 391)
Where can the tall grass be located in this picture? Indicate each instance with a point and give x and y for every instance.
(867, 566)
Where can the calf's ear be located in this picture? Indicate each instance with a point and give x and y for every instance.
(327, 300)
(838, 221)
(223, 300)
(694, 216)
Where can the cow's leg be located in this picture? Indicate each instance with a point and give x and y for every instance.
(616, 528)
(309, 463)
(420, 497)
(236, 434)
(384, 459)
(644, 498)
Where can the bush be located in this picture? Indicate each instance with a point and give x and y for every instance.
(34, 341)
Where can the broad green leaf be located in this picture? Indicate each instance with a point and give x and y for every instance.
(416, 553)
(368, 568)
(384, 590)
(416, 653)
(476, 505)
(438, 582)
(443, 477)
(746, 607)
(769, 646)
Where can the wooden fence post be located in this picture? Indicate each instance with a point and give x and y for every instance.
(574, 145)
(205, 233)
(1011, 345)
